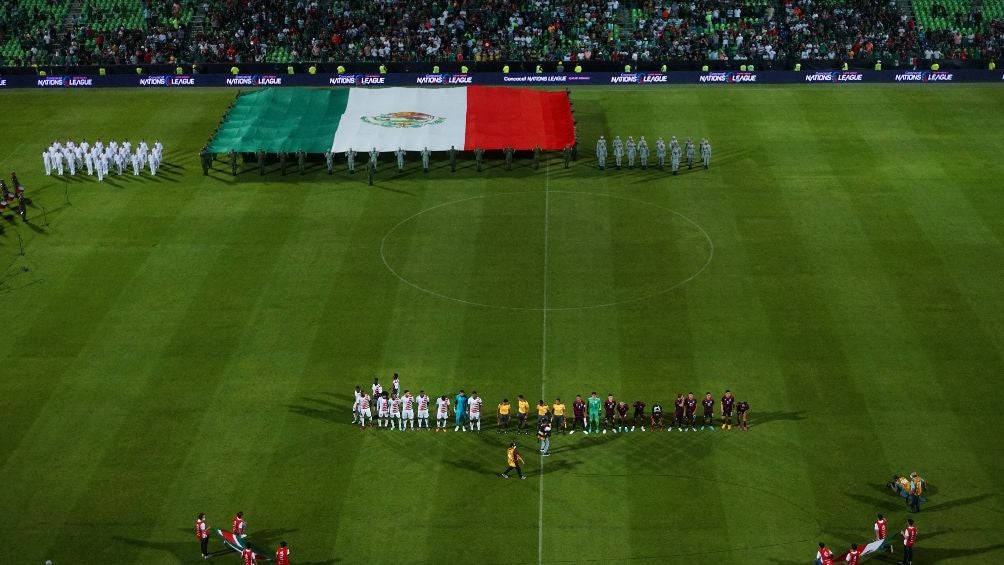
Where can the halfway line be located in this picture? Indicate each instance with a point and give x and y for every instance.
(543, 360)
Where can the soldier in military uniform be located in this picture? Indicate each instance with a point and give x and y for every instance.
(233, 162)
(618, 151)
(567, 154)
(301, 160)
(479, 155)
(536, 157)
(631, 151)
(674, 155)
(601, 152)
(350, 156)
(508, 158)
(282, 162)
(643, 152)
(453, 159)
(206, 160)
(374, 155)
(689, 148)
(426, 154)
(706, 153)
(261, 162)
(329, 161)
(399, 154)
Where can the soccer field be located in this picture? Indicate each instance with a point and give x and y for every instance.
(189, 343)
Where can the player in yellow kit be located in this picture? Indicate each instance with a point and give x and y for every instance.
(522, 412)
(513, 461)
(503, 417)
(558, 409)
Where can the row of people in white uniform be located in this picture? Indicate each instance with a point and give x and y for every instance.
(99, 159)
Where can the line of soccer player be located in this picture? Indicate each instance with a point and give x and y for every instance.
(397, 410)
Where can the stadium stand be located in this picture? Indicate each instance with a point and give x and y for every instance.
(113, 32)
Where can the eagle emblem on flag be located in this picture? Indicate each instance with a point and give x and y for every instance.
(403, 120)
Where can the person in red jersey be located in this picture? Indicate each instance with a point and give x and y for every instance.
(728, 404)
(202, 532)
(709, 412)
(679, 406)
(249, 557)
(824, 556)
(690, 405)
(579, 414)
(639, 415)
(609, 405)
(909, 538)
(742, 415)
(282, 554)
(854, 555)
(880, 530)
(622, 412)
(239, 525)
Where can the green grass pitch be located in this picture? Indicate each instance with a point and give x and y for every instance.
(188, 344)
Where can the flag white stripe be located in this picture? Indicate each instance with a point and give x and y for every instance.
(374, 118)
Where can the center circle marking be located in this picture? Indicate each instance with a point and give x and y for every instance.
(696, 264)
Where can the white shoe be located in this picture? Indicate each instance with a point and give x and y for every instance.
(604, 431)
(571, 432)
(643, 428)
(456, 429)
(586, 432)
(632, 428)
(615, 430)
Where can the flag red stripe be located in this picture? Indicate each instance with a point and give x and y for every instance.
(521, 118)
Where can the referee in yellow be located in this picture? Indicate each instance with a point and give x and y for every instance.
(558, 409)
(514, 461)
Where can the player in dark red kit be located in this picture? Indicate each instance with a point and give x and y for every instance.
(639, 415)
(742, 414)
(728, 404)
(709, 412)
(202, 532)
(622, 412)
(578, 414)
(691, 406)
(657, 417)
(678, 413)
(609, 405)
(249, 557)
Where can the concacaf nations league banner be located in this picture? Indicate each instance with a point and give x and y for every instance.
(463, 118)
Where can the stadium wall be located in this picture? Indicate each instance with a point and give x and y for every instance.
(488, 79)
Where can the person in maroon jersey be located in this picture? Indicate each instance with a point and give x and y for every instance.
(282, 554)
(709, 412)
(742, 414)
(247, 554)
(679, 405)
(657, 417)
(639, 415)
(239, 526)
(609, 405)
(579, 414)
(690, 404)
(728, 403)
(622, 412)
(202, 532)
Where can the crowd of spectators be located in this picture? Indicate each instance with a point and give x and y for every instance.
(280, 31)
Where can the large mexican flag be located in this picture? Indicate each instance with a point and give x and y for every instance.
(464, 118)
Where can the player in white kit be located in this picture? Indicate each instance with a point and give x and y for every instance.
(407, 411)
(474, 410)
(47, 161)
(364, 410)
(383, 409)
(395, 385)
(442, 413)
(135, 164)
(355, 404)
(395, 411)
(423, 409)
